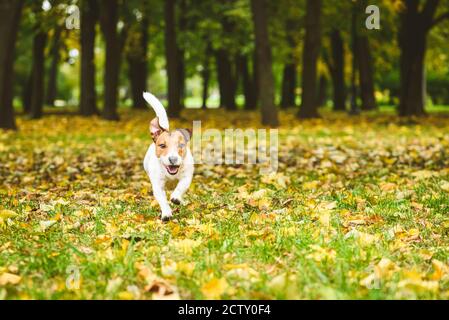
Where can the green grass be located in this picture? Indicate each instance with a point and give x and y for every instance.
(372, 177)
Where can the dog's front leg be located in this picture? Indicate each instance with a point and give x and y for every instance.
(161, 197)
(181, 188)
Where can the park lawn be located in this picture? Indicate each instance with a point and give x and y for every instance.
(358, 209)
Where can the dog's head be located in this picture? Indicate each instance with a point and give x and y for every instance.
(171, 146)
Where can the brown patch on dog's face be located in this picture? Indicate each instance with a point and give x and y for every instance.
(171, 142)
(162, 143)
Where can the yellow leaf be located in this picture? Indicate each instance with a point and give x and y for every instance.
(264, 204)
(44, 225)
(363, 238)
(145, 273)
(384, 267)
(125, 295)
(9, 278)
(440, 269)
(186, 246)
(413, 281)
(445, 186)
(6, 214)
(230, 266)
(185, 267)
(388, 186)
(214, 288)
(278, 283)
(324, 219)
(310, 185)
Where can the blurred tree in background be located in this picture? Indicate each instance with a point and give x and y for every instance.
(233, 54)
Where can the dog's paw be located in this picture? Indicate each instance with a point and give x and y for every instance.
(166, 218)
(176, 201)
(166, 215)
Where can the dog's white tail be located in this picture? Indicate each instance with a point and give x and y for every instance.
(158, 108)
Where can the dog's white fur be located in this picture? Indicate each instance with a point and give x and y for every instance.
(155, 167)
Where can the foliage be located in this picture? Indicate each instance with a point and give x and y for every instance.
(357, 209)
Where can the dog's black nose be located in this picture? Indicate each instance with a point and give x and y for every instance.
(173, 160)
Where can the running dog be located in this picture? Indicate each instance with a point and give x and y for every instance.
(168, 158)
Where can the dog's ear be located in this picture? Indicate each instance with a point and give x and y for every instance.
(187, 133)
(155, 129)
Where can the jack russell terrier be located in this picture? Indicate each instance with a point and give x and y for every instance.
(168, 158)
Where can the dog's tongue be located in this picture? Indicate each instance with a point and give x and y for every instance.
(172, 169)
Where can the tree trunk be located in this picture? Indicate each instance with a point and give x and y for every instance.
(264, 59)
(322, 91)
(137, 62)
(53, 72)
(26, 93)
(288, 86)
(255, 83)
(10, 12)
(366, 74)
(37, 87)
(288, 96)
(249, 90)
(205, 74)
(337, 68)
(226, 79)
(88, 99)
(310, 56)
(354, 108)
(109, 19)
(413, 31)
(172, 60)
(182, 25)
(226, 65)
(412, 79)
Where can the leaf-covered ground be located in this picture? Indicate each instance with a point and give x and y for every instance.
(358, 209)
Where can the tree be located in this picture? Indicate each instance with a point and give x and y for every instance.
(136, 55)
(182, 25)
(26, 93)
(108, 21)
(172, 60)
(205, 74)
(37, 82)
(10, 12)
(354, 110)
(416, 20)
(264, 62)
(88, 99)
(248, 81)
(226, 78)
(322, 90)
(289, 80)
(337, 69)
(226, 55)
(366, 72)
(311, 51)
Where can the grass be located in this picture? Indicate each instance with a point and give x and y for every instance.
(357, 210)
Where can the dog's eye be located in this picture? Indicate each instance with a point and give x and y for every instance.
(162, 146)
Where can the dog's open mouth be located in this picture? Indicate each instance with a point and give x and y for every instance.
(172, 169)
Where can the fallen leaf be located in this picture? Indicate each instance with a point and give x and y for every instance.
(9, 278)
(214, 289)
